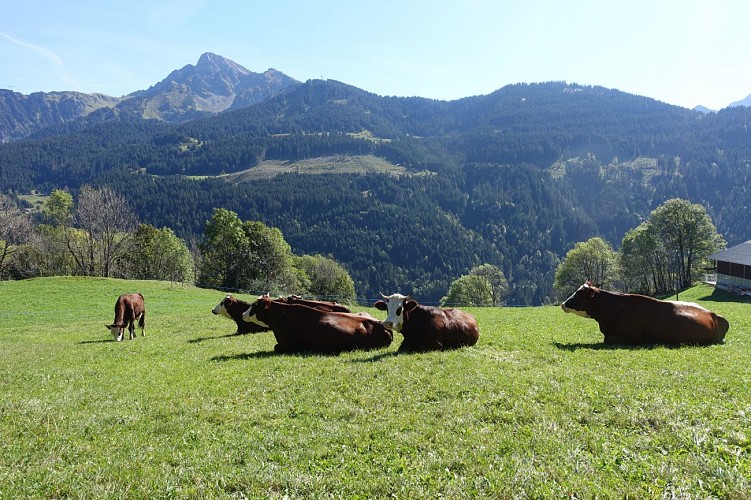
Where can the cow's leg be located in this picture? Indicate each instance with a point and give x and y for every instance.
(132, 330)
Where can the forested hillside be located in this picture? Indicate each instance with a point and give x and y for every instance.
(513, 178)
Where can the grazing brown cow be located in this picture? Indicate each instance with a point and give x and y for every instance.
(128, 309)
(233, 308)
(427, 328)
(627, 318)
(302, 328)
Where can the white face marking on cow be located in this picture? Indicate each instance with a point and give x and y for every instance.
(117, 332)
(395, 312)
(220, 309)
(566, 309)
(249, 316)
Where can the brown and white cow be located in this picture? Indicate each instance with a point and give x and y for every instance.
(626, 318)
(321, 305)
(233, 308)
(427, 328)
(129, 308)
(302, 328)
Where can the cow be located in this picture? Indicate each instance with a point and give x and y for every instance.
(233, 308)
(632, 319)
(128, 308)
(427, 328)
(321, 305)
(302, 328)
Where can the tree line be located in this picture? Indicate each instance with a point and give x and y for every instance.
(99, 234)
(663, 255)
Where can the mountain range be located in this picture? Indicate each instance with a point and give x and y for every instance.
(410, 193)
(213, 85)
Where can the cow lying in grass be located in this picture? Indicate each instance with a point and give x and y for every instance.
(233, 308)
(302, 328)
(427, 328)
(129, 308)
(626, 318)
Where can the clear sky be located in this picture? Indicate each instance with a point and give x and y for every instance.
(682, 52)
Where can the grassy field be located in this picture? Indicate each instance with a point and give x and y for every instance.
(362, 164)
(539, 408)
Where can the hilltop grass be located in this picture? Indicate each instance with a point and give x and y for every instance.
(539, 408)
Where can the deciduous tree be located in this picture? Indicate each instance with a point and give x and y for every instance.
(469, 290)
(591, 260)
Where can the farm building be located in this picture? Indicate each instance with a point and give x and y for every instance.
(733, 266)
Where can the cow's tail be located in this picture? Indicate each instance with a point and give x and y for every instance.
(721, 327)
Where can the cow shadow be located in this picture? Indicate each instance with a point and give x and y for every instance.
(621, 347)
(202, 339)
(246, 356)
(600, 346)
(274, 354)
(377, 357)
(96, 341)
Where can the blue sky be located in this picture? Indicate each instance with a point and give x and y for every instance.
(681, 52)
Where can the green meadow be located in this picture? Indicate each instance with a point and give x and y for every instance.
(538, 408)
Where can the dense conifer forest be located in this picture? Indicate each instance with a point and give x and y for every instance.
(514, 178)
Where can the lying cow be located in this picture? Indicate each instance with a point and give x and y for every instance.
(233, 308)
(129, 308)
(321, 305)
(427, 328)
(626, 318)
(302, 328)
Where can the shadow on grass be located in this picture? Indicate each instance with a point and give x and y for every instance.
(247, 355)
(96, 341)
(718, 295)
(623, 347)
(377, 357)
(201, 339)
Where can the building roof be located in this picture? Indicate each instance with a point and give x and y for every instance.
(739, 254)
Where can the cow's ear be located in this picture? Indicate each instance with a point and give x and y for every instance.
(381, 305)
(409, 304)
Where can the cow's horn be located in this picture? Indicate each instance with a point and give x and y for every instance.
(383, 296)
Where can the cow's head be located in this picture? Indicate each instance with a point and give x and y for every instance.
(117, 331)
(395, 304)
(256, 309)
(223, 306)
(581, 301)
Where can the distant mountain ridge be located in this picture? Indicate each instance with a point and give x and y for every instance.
(742, 102)
(213, 85)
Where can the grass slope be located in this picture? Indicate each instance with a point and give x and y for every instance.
(539, 408)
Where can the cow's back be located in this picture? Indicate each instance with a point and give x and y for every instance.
(645, 320)
(461, 329)
(299, 327)
(432, 328)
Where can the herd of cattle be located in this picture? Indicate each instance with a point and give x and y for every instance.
(330, 327)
